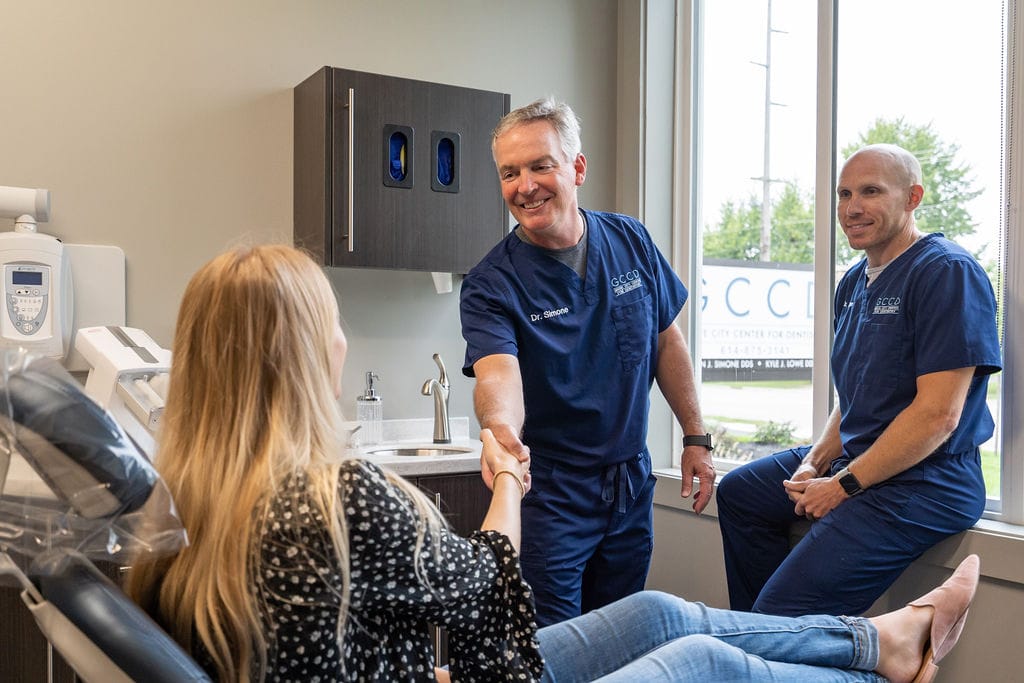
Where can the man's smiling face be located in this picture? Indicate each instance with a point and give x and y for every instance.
(539, 183)
(876, 206)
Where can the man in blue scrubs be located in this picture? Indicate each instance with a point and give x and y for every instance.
(897, 468)
(568, 321)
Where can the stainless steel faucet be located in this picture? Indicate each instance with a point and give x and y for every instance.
(439, 388)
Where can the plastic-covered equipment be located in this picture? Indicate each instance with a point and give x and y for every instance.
(75, 489)
(105, 498)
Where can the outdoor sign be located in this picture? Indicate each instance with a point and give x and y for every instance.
(756, 320)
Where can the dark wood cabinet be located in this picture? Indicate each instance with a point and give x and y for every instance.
(462, 498)
(396, 173)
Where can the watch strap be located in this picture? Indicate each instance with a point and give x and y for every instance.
(699, 440)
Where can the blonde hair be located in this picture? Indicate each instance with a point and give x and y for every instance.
(250, 404)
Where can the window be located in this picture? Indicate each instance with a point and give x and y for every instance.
(783, 91)
(755, 183)
(943, 105)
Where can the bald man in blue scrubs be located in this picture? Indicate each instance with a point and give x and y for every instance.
(568, 321)
(897, 468)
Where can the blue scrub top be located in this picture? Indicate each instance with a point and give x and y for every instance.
(587, 349)
(931, 309)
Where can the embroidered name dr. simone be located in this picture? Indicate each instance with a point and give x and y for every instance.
(887, 305)
(534, 317)
(626, 282)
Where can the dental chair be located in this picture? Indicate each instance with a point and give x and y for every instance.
(94, 497)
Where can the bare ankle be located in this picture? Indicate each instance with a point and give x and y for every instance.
(902, 637)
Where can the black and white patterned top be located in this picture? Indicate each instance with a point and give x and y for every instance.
(473, 589)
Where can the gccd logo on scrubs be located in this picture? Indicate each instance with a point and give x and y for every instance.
(626, 282)
(887, 305)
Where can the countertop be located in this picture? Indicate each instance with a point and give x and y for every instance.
(425, 465)
(416, 433)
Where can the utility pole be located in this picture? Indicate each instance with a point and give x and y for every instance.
(766, 178)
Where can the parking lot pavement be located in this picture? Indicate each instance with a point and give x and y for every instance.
(736, 407)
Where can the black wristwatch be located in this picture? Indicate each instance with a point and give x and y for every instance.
(699, 440)
(849, 482)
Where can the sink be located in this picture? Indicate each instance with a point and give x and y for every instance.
(420, 450)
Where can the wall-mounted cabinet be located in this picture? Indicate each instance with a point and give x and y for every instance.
(396, 173)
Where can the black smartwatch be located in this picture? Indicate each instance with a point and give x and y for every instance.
(849, 482)
(699, 440)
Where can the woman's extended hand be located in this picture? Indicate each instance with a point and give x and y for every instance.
(495, 457)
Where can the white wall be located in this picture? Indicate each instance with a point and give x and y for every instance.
(165, 128)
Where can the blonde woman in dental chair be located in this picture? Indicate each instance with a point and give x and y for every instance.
(306, 565)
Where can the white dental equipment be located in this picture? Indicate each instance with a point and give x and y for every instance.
(38, 294)
(128, 376)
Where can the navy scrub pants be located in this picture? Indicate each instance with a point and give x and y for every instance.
(853, 554)
(587, 535)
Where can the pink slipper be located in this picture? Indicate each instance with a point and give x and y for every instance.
(950, 601)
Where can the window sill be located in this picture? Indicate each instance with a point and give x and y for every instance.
(1000, 545)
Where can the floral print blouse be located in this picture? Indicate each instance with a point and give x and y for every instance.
(472, 587)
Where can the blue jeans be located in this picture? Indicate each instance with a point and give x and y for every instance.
(653, 636)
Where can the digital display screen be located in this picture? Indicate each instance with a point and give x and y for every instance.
(23, 277)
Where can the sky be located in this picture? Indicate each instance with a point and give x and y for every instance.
(928, 61)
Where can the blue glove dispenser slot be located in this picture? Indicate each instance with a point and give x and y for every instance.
(445, 152)
(398, 155)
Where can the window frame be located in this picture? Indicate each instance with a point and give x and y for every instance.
(1011, 445)
(687, 247)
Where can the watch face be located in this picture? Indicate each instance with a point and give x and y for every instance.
(850, 483)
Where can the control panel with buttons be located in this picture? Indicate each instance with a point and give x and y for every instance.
(26, 291)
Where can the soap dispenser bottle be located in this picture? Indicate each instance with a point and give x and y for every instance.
(370, 414)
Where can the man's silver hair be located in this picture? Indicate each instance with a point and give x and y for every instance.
(558, 114)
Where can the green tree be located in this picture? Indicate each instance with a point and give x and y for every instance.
(792, 223)
(947, 183)
(738, 234)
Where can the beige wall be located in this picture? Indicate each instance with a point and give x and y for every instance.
(165, 128)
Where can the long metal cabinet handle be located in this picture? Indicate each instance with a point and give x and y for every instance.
(351, 167)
